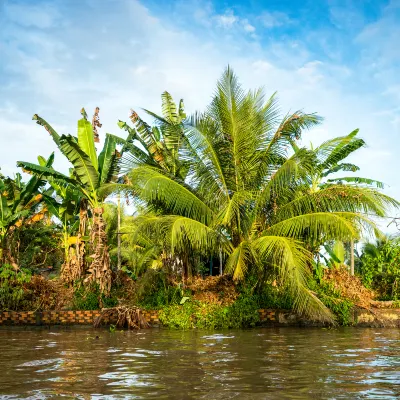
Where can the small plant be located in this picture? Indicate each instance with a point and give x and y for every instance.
(91, 298)
(13, 294)
(332, 298)
(243, 313)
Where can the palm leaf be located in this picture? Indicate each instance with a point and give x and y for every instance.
(179, 200)
(239, 260)
(358, 180)
(291, 259)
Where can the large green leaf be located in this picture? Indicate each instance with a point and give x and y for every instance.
(107, 159)
(48, 127)
(31, 188)
(44, 171)
(169, 109)
(53, 206)
(358, 180)
(83, 167)
(4, 209)
(86, 140)
(291, 259)
(154, 186)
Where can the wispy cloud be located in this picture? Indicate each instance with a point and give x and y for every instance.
(247, 26)
(42, 16)
(226, 20)
(125, 55)
(274, 19)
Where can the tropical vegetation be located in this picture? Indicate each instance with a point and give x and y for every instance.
(229, 191)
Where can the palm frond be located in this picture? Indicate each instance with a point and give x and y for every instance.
(291, 259)
(155, 186)
(358, 180)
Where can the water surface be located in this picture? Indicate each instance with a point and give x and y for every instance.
(271, 363)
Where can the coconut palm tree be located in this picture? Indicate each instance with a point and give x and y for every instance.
(246, 196)
(160, 144)
(330, 159)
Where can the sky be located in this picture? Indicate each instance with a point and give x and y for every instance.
(340, 59)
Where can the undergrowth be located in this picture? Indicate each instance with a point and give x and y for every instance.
(242, 313)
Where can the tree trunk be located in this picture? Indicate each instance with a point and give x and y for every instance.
(74, 265)
(220, 261)
(352, 257)
(99, 270)
(119, 233)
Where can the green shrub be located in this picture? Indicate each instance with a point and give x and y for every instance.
(379, 268)
(274, 297)
(154, 291)
(13, 295)
(193, 314)
(91, 299)
(332, 298)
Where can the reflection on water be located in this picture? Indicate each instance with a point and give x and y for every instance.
(273, 363)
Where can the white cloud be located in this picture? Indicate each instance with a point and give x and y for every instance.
(274, 19)
(229, 20)
(126, 57)
(29, 15)
(226, 20)
(247, 26)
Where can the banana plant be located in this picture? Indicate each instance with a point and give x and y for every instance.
(89, 174)
(17, 201)
(63, 202)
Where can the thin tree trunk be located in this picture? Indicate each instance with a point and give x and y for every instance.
(118, 232)
(352, 257)
(220, 261)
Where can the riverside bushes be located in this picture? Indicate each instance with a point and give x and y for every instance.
(13, 295)
(243, 313)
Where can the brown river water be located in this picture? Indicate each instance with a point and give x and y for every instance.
(264, 363)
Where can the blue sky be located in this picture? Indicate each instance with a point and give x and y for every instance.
(338, 58)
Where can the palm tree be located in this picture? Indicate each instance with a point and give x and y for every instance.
(329, 159)
(160, 144)
(245, 195)
(90, 173)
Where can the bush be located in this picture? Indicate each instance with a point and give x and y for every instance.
(154, 291)
(13, 295)
(243, 313)
(274, 297)
(90, 298)
(379, 268)
(333, 299)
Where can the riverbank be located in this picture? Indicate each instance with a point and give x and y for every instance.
(377, 318)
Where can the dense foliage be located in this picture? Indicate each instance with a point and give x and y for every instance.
(379, 268)
(229, 190)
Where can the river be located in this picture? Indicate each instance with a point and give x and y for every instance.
(264, 363)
